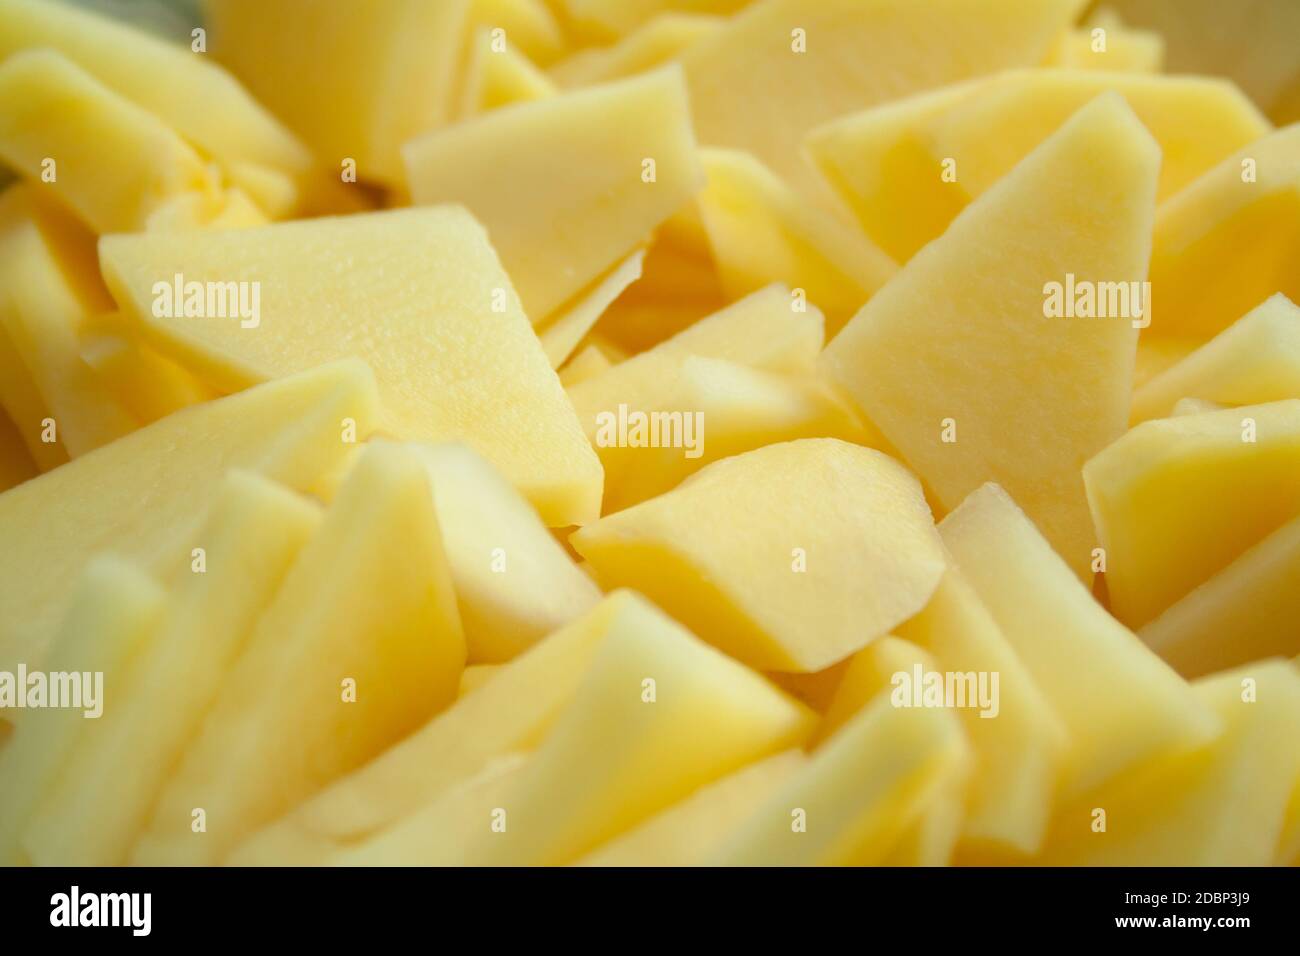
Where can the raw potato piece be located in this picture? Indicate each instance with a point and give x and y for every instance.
(563, 333)
(514, 582)
(143, 495)
(148, 385)
(1223, 804)
(113, 612)
(658, 714)
(888, 163)
(653, 44)
(1119, 49)
(530, 25)
(354, 80)
(43, 306)
(735, 409)
(761, 232)
(163, 78)
(475, 676)
(16, 464)
(1121, 705)
(556, 223)
(115, 163)
(859, 794)
(1254, 360)
(512, 712)
(361, 644)
(1018, 751)
(689, 832)
(1240, 223)
(866, 674)
(789, 558)
(857, 53)
(603, 19)
(967, 375)
(1245, 612)
(496, 78)
(25, 407)
(1178, 499)
(417, 293)
(94, 811)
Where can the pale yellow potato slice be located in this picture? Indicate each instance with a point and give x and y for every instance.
(959, 345)
(498, 75)
(1178, 499)
(652, 44)
(844, 551)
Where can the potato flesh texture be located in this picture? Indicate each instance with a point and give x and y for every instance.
(741, 408)
(563, 333)
(1019, 753)
(409, 291)
(1247, 611)
(860, 792)
(858, 54)
(505, 606)
(25, 407)
(530, 25)
(653, 44)
(866, 674)
(615, 758)
(1178, 499)
(1222, 804)
(557, 240)
(1128, 51)
(149, 385)
(163, 78)
(690, 831)
(761, 330)
(442, 832)
(611, 20)
(987, 126)
(228, 209)
(510, 713)
(369, 599)
(147, 486)
(93, 813)
(475, 676)
(1244, 233)
(113, 611)
(1157, 356)
(1253, 361)
(496, 78)
(1121, 705)
(16, 465)
(1066, 383)
(589, 362)
(50, 107)
(761, 231)
(352, 81)
(718, 552)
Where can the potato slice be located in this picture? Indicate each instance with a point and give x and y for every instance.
(112, 614)
(689, 832)
(1121, 705)
(475, 676)
(116, 164)
(354, 82)
(361, 644)
(1247, 611)
(652, 44)
(93, 813)
(512, 712)
(499, 77)
(530, 25)
(163, 78)
(761, 232)
(514, 582)
(16, 464)
(929, 358)
(599, 19)
(1019, 750)
(1119, 49)
(1178, 499)
(144, 494)
(859, 795)
(43, 306)
(566, 330)
(887, 163)
(1253, 361)
(639, 165)
(659, 714)
(854, 55)
(417, 293)
(755, 552)
(1196, 809)
(1239, 222)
